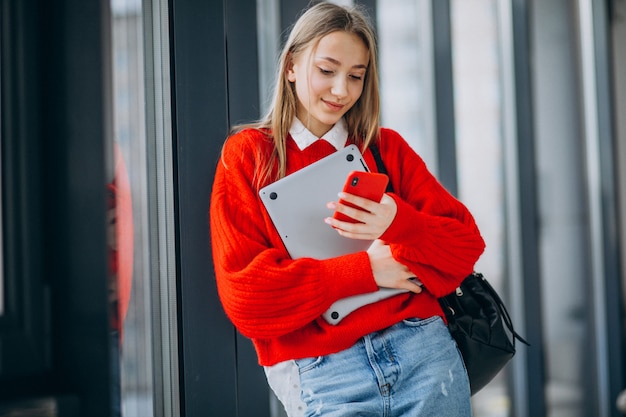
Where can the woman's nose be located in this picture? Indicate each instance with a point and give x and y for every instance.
(340, 87)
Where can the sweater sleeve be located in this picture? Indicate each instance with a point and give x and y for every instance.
(433, 233)
(264, 292)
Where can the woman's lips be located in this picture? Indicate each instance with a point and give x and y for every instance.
(333, 106)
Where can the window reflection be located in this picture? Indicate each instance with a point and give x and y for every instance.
(405, 30)
(565, 230)
(142, 108)
(130, 137)
(477, 77)
(405, 49)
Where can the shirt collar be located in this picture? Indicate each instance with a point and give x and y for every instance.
(336, 136)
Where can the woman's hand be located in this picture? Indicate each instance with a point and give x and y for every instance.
(388, 272)
(372, 219)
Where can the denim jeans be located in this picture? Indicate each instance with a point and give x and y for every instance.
(411, 369)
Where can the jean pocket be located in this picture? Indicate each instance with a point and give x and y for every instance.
(306, 364)
(415, 322)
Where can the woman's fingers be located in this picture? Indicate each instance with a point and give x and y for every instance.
(389, 273)
(371, 219)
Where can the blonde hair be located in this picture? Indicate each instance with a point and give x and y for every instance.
(362, 120)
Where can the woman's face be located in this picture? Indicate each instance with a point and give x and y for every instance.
(328, 79)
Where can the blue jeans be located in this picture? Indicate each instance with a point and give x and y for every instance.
(410, 369)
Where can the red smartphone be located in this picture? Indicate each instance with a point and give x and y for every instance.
(370, 185)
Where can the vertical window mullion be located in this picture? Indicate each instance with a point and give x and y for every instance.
(444, 95)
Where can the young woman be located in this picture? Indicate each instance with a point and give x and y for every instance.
(394, 357)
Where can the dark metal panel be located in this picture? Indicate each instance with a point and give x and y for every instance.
(200, 124)
(444, 95)
(290, 10)
(534, 396)
(370, 8)
(243, 102)
(253, 393)
(76, 141)
(22, 343)
(56, 137)
(243, 61)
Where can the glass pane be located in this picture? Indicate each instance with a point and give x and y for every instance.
(478, 112)
(619, 75)
(142, 109)
(134, 268)
(405, 58)
(563, 210)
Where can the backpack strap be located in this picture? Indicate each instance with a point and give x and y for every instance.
(380, 165)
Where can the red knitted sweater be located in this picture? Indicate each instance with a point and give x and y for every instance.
(277, 301)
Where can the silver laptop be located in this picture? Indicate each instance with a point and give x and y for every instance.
(297, 206)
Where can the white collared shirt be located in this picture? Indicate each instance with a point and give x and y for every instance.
(336, 136)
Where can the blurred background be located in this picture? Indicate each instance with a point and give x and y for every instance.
(518, 107)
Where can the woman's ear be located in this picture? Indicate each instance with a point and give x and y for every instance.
(289, 72)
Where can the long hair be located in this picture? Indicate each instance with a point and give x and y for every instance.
(362, 120)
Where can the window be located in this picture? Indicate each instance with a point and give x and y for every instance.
(406, 73)
(148, 356)
(480, 114)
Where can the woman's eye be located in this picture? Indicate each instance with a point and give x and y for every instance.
(325, 71)
(357, 77)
